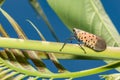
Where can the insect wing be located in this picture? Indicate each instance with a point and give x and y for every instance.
(100, 44)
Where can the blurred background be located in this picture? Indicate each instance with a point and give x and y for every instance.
(21, 10)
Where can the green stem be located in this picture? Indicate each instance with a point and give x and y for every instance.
(64, 75)
(90, 71)
(109, 53)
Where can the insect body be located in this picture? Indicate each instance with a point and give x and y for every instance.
(90, 40)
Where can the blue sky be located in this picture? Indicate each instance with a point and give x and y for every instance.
(20, 10)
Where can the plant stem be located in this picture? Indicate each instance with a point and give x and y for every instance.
(64, 75)
(109, 53)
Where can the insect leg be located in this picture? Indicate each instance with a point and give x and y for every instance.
(69, 39)
(82, 48)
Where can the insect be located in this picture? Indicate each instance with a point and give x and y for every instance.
(90, 40)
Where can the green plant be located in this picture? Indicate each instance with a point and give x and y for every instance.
(14, 58)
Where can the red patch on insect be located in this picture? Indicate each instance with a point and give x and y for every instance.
(90, 40)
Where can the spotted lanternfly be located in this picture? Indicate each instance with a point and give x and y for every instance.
(90, 40)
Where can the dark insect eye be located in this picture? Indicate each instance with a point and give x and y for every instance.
(85, 37)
